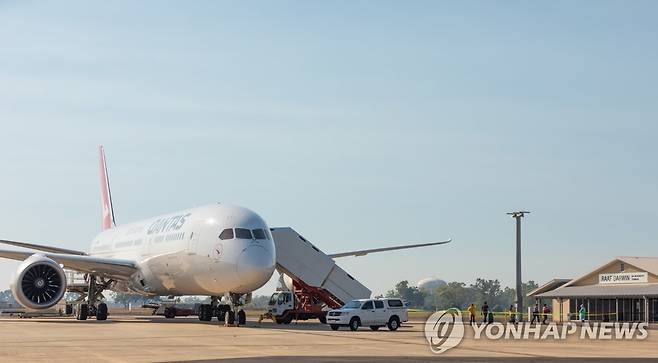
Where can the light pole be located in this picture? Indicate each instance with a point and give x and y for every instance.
(519, 287)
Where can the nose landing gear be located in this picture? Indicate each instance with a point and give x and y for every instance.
(237, 311)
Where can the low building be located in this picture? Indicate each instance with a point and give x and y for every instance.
(624, 289)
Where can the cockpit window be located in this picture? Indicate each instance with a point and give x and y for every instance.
(226, 234)
(268, 234)
(243, 233)
(258, 234)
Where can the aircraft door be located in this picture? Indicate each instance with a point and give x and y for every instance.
(193, 239)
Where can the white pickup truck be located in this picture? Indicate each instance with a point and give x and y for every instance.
(374, 313)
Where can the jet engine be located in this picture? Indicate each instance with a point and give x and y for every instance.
(39, 282)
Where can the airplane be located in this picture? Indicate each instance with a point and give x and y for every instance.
(171, 255)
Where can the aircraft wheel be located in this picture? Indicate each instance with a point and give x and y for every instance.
(82, 312)
(242, 317)
(334, 327)
(205, 312)
(323, 319)
(231, 318)
(221, 315)
(374, 327)
(101, 312)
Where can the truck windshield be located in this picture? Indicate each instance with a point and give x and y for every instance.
(273, 299)
(354, 304)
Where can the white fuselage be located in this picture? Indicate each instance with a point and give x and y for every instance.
(182, 253)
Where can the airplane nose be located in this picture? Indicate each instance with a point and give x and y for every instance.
(255, 266)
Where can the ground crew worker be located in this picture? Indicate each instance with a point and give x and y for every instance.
(485, 312)
(545, 311)
(535, 314)
(490, 318)
(512, 314)
(471, 310)
(582, 312)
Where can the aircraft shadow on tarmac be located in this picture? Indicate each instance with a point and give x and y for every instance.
(305, 326)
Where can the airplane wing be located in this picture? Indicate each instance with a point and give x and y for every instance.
(108, 267)
(393, 248)
(43, 247)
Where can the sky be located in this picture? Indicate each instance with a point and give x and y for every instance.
(360, 124)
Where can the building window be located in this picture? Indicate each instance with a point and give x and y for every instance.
(622, 267)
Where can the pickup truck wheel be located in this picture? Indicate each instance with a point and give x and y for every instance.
(393, 323)
(354, 324)
(334, 327)
(374, 327)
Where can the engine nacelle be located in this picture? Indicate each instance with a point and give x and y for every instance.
(39, 283)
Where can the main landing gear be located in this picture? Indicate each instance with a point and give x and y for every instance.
(214, 309)
(230, 314)
(90, 304)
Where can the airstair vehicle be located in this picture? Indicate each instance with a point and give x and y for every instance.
(311, 282)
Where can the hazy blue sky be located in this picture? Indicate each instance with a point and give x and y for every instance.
(360, 124)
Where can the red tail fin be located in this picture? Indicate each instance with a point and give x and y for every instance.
(106, 195)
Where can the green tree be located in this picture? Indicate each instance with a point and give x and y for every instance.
(134, 299)
(454, 294)
(411, 294)
(527, 287)
(195, 299)
(7, 296)
(457, 294)
(489, 291)
(258, 302)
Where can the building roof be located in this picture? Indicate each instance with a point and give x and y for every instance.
(648, 264)
(603, 291)
(549, 286)
(565, 288)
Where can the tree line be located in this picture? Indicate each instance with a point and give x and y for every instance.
(459, 295)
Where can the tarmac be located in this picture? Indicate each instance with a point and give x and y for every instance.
(156, 339)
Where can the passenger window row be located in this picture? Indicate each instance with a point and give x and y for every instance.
(244, 233)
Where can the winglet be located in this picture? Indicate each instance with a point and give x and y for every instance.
(106, 196)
